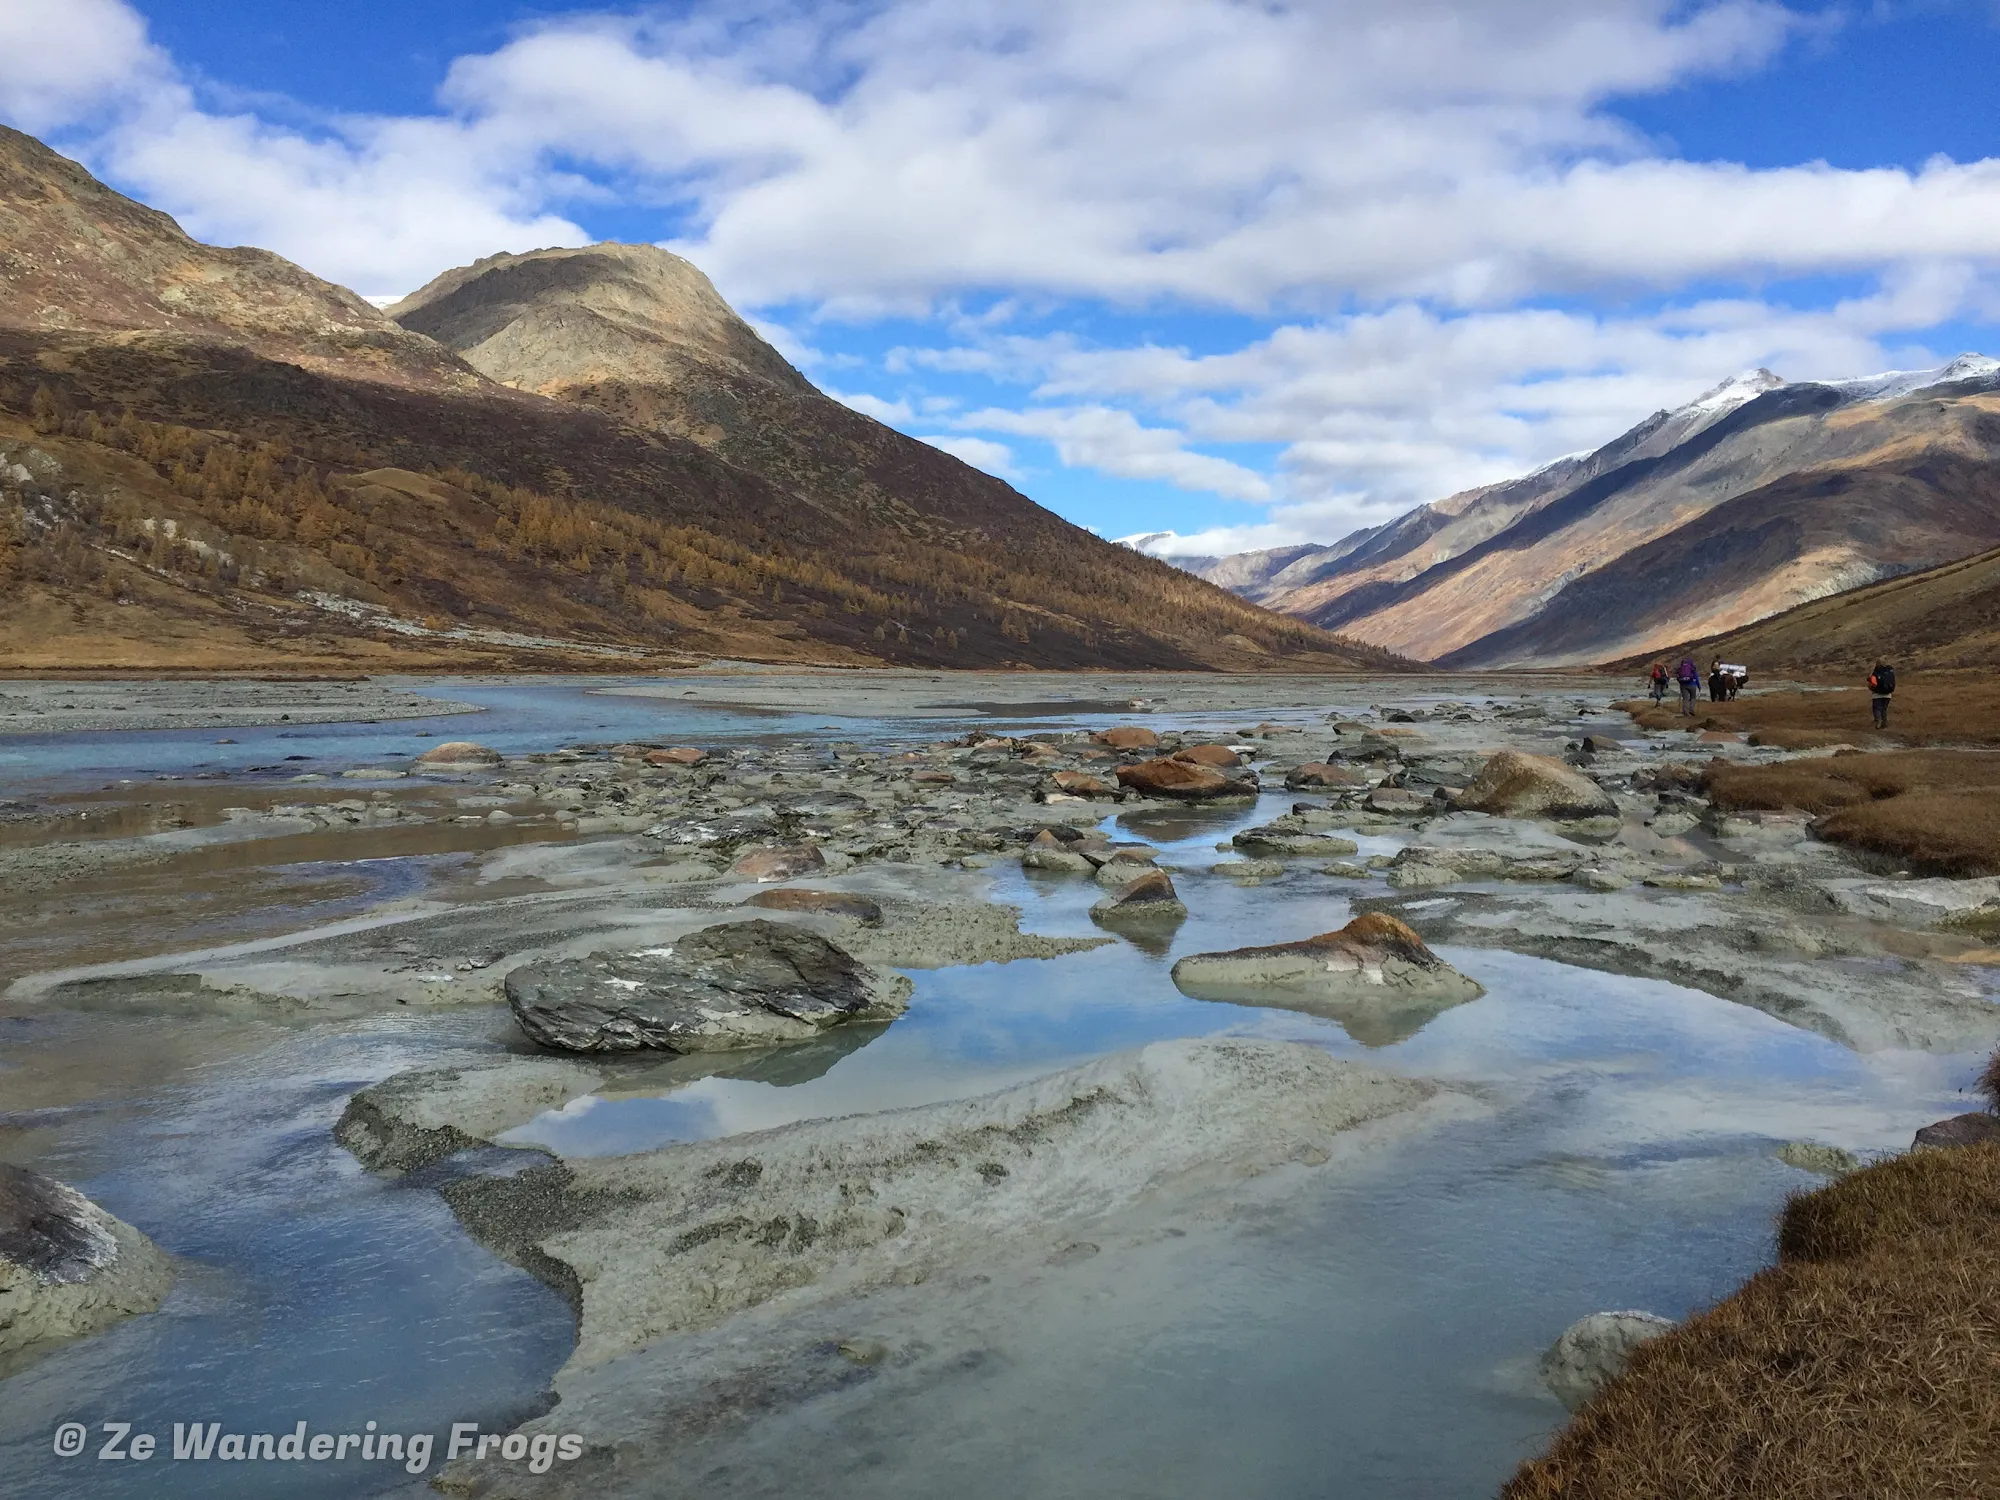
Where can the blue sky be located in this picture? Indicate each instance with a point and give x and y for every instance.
(1245, 273)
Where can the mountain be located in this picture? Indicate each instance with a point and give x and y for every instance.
(211, 458)
(1759, 495)
(1940, 619)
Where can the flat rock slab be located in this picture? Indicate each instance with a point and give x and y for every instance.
(739, 984)
(1375, 976)
(825, 903)
(66, 1266)
(678, 1239)
(416, 1118)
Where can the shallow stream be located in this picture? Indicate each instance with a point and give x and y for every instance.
(1375, 1340)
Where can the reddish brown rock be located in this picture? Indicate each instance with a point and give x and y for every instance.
(778, 862)
(1083, 784)
(1150, 898)
(680, 755)
(935, 778)
(826, 903)
(1181, 780)
(459, 753)
(1221, 757)
(1127, 737)
(1375, 976)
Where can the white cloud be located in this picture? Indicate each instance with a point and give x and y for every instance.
(1114, 442)
(994, 458)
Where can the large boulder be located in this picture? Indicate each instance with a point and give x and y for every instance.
(1182, 781)
(741, 984)
(1514, 785)
(1960, 1130)
(1592, 1352)
(66, 1266)
(1219, 757)
(1083, 784)
(1375, 976)
(461, 754)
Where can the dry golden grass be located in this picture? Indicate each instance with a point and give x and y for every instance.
(1937, 810)
(1931, 708)
(1865, 1364)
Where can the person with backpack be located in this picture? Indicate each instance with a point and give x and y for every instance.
(1659, 680)
(1881, 688)
(1688, 675)
(1716, 688)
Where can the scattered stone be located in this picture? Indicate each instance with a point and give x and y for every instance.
(366, 773)
(679, 755)
(1291, 836)
(1320, 774)
(1127, 737)
(1959, 1130)
(1249, 871)
(1592, 1352)
(1601, 880)
(460, 753)
(825, 903)
(934, 778)
(1683, 881)
(66, 1266)
(1182, 781)
(1397, 802)
(1811, 1156)
(1124, 867)
(778, 862)
(1513, 785)
(863, 1351)
(740, 984)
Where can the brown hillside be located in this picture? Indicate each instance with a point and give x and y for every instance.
(1944, 617)
(211, 457)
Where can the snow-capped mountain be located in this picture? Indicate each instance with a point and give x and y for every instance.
(1757, 495)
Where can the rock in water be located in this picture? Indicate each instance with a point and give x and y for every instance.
(1374, 976)
(415, 1118)
(1150, 898)
(1182, 780)
(1513, 785)
(459, 753)
(826, 903)
(678, 755)
(741, 984)
(1592, 1352)
(66, 1266)
(1218, 757)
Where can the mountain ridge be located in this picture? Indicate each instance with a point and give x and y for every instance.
(211, 457)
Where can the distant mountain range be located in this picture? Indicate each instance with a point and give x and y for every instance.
(211, 458)
(1759, 496)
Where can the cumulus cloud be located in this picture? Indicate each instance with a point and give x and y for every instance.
(1114, 442)
(994, 458)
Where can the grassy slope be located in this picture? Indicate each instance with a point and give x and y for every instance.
(1865, 1363)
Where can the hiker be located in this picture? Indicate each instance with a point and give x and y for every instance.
(1715, 686)
(1659, 680)
(1881, 688)
(1688, 675)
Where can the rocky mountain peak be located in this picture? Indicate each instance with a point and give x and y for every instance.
(78, 257)
(552, 320)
